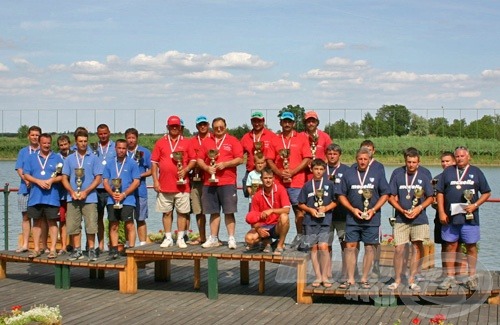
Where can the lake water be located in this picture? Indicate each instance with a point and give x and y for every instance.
(489, 254)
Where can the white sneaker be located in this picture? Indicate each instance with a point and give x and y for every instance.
(231, 243)
(211, 242)
(181, 243)
(167, 242)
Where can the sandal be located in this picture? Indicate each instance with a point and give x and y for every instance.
(327, 284)
(365, 285)
(62, 252)
(316, 284)
(278, 251)
(52, 255)
(393, 286)
(21, 250)
(34, 254)
(345, 285)
(414, 287)
(267, 249)
(194, 242)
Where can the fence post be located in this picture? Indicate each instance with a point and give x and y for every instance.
(6, 193)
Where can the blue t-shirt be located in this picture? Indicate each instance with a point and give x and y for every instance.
(144, 164)
(350, 185)
(33, 166)
(129, 172)
(22, 157)
(447, 185)
(398, 187)
(402, 170)
(340, 212)
(92, 167)
(105, 155)
(374, 165)
(308, 197)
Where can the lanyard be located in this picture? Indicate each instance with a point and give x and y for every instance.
(80, 164)
(43, 165)
(408, 186)
(118, 172)
(362, 181)
(334, 171)
(220, 142)
(271, 204)
(320, 185)
(289, 141)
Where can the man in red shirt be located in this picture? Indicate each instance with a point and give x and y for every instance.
(293, 176)
(318, 140)
(268, 214)
(219, 158)
(257, 140)
(167, 177)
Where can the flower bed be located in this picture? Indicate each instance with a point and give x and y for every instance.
(42, 314)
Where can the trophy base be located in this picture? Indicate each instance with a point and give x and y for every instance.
(364, 216)
(469, 216)
(117, 206)
(287, 180)
(320, 215)
(196, 179)
(181, 182)
(215, 180)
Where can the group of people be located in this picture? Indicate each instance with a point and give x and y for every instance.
(289, 171)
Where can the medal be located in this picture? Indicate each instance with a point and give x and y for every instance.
(104, 162)
(408, 197)
(316, 204)
(360, 191)
(460, 178)
(171, 155)
(42, 172)
(458, 187)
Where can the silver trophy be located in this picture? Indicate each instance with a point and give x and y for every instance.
(138, 155)
(94, 146)
(419, 192)
(212, 154)
(58, 171)
(367, 194)
(392, 221)
(285, 154)
(319, 201)
(469, 195)
(79, 173)
(179, 156)
(117, 184)
(313, 141)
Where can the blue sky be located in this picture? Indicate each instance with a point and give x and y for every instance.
(227, 58)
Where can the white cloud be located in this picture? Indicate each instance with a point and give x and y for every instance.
(75, 94)
(280, 85)
(88, 67)
(487, 103)
(17, 82)
(208, 75)
(335, 46)
(119, 76)
(3, 67)
(328, 74)
(404, 76)
(491, 73)
(469, 94)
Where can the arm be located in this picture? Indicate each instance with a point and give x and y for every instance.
(154, 173)
(443, 217)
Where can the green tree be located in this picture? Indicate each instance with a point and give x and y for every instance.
(298, 111)
(438, 126)
(240, 131)
(343, 130)
(22, 132)
(393, 120)
(369, 126)
(484, 128)
(419, 125)
(456, 129)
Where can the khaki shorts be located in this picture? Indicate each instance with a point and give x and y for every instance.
(78, 210)
(196, 191)
(165, 202)
(406, 232)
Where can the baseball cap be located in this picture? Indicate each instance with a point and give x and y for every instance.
(174, 120)
(257, 115)
(252, 217)
(287, 115)
(201, 119)
(311, 114)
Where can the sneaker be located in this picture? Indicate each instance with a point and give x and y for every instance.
(167, 242)
(448, 282)
(181, 243)
(472, 283)
(211, 242)
(112, 255)
(414, 287)
(92, 255)
(75, 255)
(296, 241)
(98, 252)
(231, 243)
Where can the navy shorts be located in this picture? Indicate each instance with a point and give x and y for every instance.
(216, 197)
(366, 234)
(316, 234)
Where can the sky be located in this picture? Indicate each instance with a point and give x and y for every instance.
(134, 63)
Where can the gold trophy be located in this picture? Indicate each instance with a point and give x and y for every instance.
(319, 201)
(79, 173)
(255, 187)
(367, 194)
(313, 140)
(258, 145)
(117, 184)
(94, 146)
(179, 156)
(138, 155)
(58, 171)
(434, 183)
(469, 195)
(419, 192)
(285, 154)
(212, 154)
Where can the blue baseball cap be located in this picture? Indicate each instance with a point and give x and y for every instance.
(287, 115)
(201, 119)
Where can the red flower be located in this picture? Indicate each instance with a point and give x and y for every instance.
(190, 230)
(16, 308)
(415, 321)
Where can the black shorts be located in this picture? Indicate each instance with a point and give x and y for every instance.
(102, 200)
(437, 231)
(38, 211)
(126, 213)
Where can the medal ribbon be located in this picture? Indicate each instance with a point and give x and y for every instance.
(362, 182)
(102, 150)
(271, 204)
(118, 172)
(80, 164)
(289, 141)
(408, 187)
(460, 178)
(334, 171)
(221, 141)
(45, 163)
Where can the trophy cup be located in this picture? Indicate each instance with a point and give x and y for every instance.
(79, 173)
(313, 140)
(434, 183)
(468, 195)
(117, 184)
(94, 146)
(258, 145)
(178, 156)
(418, 194)
(255, 187)
(319, 201)
(367, 194)
(196, 177)
(58, 171)
(212, 154)
(285, 154)
(392, 221)
(138, 155)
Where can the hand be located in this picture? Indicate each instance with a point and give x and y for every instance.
(266, 213)
(221, 165)
(156, 186)
(470, 208)
(443, 218)
(357, 213)
(263, 232)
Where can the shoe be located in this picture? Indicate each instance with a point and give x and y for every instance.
(21, 250)
(231, 243)
(75, 255)
(98, 252)
(296, 241)
(52, 255)
(112, 255)
(167, 242)
(419, 278)
(472, 283)
(92, 255)
(414, 287)
(181, 243)
(316, 283)
(34, 254)
(448, 282)
(393, 286)
(211, 242)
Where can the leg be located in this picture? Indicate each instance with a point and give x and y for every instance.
(142, 231)
(316, 266)
(167, 221)
(368, 261)
(282, 229)
(398, 262)
(201, 221)
(299, 217)
(26, 228)
(230, 223)
(37, 231)
(130, 232)
(350, 259)
(44, 231)
(53, 230)
(418, 252)
(214, 224)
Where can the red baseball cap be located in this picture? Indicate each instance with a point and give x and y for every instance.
(311, 114)
(174, 120)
